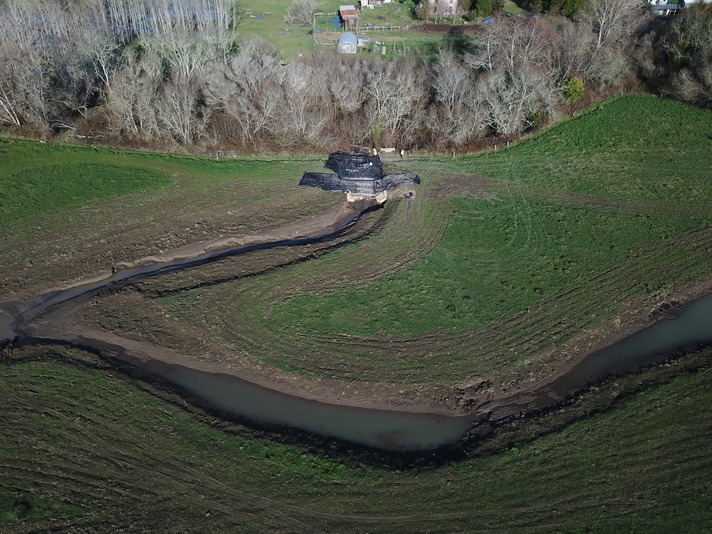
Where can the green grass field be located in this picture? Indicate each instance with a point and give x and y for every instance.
(496, 259)
(505, 251)
(547, 239)
(60, 205)
(84, 448)
(503, 255)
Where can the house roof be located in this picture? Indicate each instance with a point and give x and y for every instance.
(348, 12)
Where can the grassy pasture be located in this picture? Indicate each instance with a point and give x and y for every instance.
(500, 260)
(84, 448)
(496, 258)
(60, 205)
(530, 247)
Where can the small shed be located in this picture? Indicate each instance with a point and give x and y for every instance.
(347, 44)
(349, 17)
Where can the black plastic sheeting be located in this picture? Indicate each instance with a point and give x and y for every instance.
(359, 174)
(355, 166)
(332, 182)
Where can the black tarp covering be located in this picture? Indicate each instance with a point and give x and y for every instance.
(355, 166)
(331, 182)
(391, 181)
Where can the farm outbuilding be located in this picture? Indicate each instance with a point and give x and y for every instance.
(347, 44)
(349, 17)
(666, 7)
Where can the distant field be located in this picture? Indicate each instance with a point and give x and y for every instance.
(386, 25)
(85, 449)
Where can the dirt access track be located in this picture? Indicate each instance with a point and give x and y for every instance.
(137, 320)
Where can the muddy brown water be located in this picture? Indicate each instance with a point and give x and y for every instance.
(381, 429)
(391, 430)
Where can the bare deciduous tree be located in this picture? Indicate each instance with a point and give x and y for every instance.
(249, 89)
(608, 18)
(179, 107)
(396, 91)
(458, 116)
(303, 112)
(300, 12)
(133, 89)
(347, 82)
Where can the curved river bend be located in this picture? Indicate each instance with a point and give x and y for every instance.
(383, 429)
(409, 431)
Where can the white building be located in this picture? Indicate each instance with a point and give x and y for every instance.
(666, 7)
(443, 8)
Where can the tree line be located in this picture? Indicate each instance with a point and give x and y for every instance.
(172, 72)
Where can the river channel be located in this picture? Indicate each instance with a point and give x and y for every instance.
(383, 429)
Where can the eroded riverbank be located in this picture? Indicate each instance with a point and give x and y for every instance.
(380, 417)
